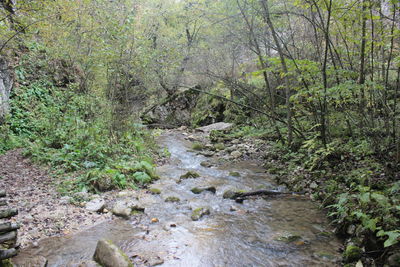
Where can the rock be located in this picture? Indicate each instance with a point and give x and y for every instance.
(189, 174)
(121, 209)
(288, 238)
(351, 230)
(206, 164)
(207, 153)
(155, 191)
(154, 261)
(233, 208)
(136, 205)
(6, 84)
(109, 255)
(230, 194)
(236, 154)
(95, 205)
(219, 126)
(172, 199)
(352, 253)
(87, 263)
(198, 146)
(313, 185)
(36, 261)
(219, 146)
(182, 128)
(234, 174)
(198, 213)
(394, 259)
(197, 190)
(192, 138)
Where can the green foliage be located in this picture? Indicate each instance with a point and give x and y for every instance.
(74, 132)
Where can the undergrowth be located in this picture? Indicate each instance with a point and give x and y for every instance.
(73, 132)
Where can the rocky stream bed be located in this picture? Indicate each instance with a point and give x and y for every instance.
(183, 219)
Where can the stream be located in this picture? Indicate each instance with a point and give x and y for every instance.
(274, 231)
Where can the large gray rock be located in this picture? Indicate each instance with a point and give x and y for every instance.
(172, 111)
(95, 205)
(122, 209)
(219, 126)
(109, 255)
(6, 83)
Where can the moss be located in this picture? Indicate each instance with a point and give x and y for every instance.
(155, 191)
(6, 263)
(197, 190)
(235, 174)
(190, 174)
(232, 193)
(288, 238)
(197, 146)
(205, 164)
(172, 199)
(352, 253)
(219, 146)
(199, 212)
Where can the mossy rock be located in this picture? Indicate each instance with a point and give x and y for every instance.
(234, 174)
(219, 146)
(198, 213)
(197, 190)
(190, 174)
(155, 191)
(230, 194)
(206, 164)
(172, 199)
(288, 238)
(352, 253)
(198, 146)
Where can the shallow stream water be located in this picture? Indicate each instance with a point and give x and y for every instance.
(277, 231)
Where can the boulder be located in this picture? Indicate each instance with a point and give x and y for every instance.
(122, 209)
(198, 213)
(109, 255)
(219, 126)
(95, 205)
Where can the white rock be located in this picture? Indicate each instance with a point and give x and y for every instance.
(95, 205)
(236, 154)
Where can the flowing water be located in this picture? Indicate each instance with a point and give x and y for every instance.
(278, 231)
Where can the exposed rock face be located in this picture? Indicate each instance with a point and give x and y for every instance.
(109, 255)
(173, 111)
(6, 83)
